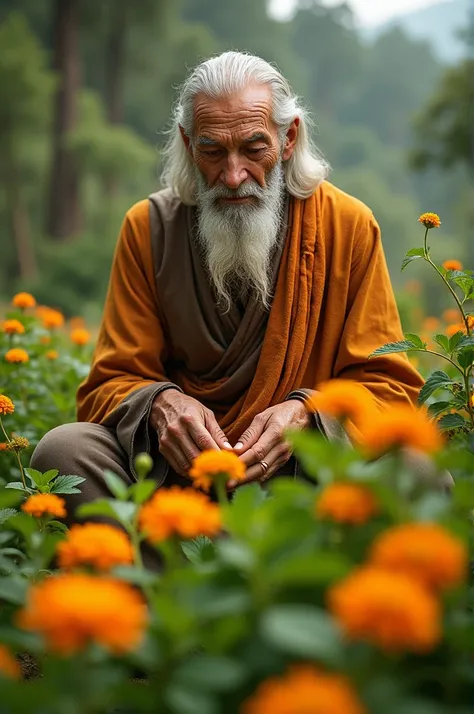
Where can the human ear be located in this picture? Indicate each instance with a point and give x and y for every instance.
(290, 139)
(186, 141)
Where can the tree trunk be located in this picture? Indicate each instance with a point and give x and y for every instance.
(115, 72)
(64, 209)
(19, 219)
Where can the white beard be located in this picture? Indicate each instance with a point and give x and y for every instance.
(238, 241)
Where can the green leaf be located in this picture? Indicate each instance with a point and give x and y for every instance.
(392, 347)
(24, 524)
(465, 357)
(432, 506)
(467, 341)
(9, 497)
(218, 674)
(18, 486)
(187, 701)
(412, 254)
(415, 339)
(100, 507)
(238, 555)
(302, 631)
(451, 421)
(442, 341)
(6, 513)
(142, 490)
(134, 575)
(67, 484)
(435, 381)
(199, 550)
(311, 569)
(455, 340)
(58, 525)
(125, 510)
(41, 479)
(115, 485)
(439, 407)
(13, 589)
(465, 283)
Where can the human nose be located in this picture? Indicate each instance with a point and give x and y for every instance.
(233, 173)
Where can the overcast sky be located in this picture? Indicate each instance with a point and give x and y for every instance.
(368, 12)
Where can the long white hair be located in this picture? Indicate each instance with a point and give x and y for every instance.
(224, 75)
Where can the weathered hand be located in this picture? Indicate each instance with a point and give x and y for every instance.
(185, 428)
(264, 440)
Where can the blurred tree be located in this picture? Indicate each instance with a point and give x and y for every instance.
(25, 91)
(63, 218)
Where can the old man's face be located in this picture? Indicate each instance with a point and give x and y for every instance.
(238, 157)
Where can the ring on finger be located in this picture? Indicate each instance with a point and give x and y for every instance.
(264, 466)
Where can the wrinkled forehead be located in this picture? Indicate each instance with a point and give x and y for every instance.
(240, 115)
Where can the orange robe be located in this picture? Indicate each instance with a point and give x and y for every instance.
(333, 305)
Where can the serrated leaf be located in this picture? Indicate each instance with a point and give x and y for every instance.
(115, 485)
(392, 347)
(407, 261)
(6, 513)
(67, 484)
(439, 407)
(464, 282)
(451, 421)
(41, 479)
(465, 357)
(466, 341)
(18, 486)
(455, 340)
(417, 341)
(442, 341)
(199, 550)
(435, 381)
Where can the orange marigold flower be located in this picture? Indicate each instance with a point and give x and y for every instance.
(304, 689)
(75, 609)
(452, 265)
(457, 327)
(343, 399)
(179, 511)
(23, 300)
(80, 336)
(430, 220)
(425, 551)
(400, 426)
(346, 502)
(3, 445)
(52, 318)
(393, 611)
(13, 327)
(9, 667)
(6, 405)
(17, 355)
(451, 315)
(45, 504)
(96, 544)
(51, 354)
(45, 339)
(211, 464)
(430, 324)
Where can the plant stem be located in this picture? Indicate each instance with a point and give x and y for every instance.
(438, 354)
(23, 479)
(446, 282)
(3, 429)
(467, 387)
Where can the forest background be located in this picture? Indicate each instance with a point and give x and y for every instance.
(86, 91)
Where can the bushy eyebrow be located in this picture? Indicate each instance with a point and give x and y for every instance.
(207, 141)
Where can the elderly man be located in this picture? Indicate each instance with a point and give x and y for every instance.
(234, 292)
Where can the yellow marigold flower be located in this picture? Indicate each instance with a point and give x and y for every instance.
(45, 340)
(430, 324)
(96, 544)
(45, 504)
(18, 443)
(9, 667)
(17, 355)
(452, 265)
(304, 689)
(74, 609)
(80, 336)
(52, 354)
(213, 463)
(391, 610)
(424, 551)
(13, 327)
(6, 405)
(451, 315)
(457, 327)
(52, 318)
(343, 399)
(430, 220)
(399, 426)
(179, 511)
(23, 300)
(346, 502)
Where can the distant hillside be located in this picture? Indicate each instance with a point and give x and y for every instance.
(437, 23)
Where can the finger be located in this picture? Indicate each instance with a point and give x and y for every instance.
(179, 449)
(260, 451)
(251, 435)
(201, 436)
(217, 434)
(277, 457)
